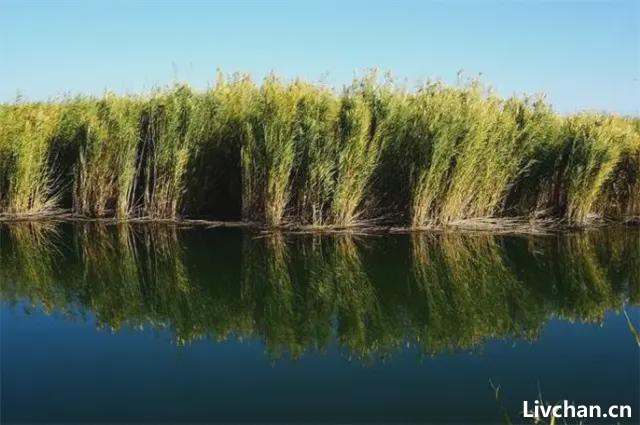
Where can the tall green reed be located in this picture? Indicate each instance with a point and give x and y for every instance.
(268, 154)
(27, 182)
(107, 163)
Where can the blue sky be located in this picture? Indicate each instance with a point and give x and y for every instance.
(582, 54)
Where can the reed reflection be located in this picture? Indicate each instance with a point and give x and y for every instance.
(370, 296)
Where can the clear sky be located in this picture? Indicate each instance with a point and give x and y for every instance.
(582, 54)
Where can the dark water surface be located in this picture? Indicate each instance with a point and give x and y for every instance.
(158, 324)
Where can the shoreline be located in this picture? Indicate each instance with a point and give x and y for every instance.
(507, 225)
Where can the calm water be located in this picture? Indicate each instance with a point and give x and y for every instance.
(157, 324)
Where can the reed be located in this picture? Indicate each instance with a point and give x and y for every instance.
(268, 154)
(27, 181)
(356, 155)
(314, 179)
(106, 167)
(170, 145)
(460, 153)
(293, 153)
(603, 167)
(217, 132)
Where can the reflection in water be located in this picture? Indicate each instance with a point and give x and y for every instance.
(370, 296)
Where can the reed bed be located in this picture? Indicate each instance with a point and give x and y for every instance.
(298, 154)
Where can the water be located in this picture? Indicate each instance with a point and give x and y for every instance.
(158, 324)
